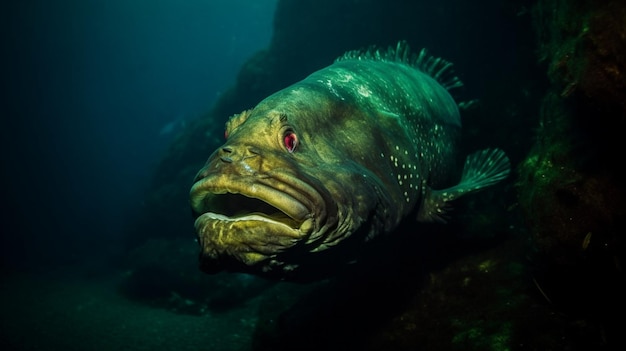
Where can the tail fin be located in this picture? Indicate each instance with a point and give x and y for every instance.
(482, 169)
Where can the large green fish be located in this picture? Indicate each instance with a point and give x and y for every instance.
(330, 163)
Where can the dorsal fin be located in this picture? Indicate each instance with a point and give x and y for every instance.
(436, 67)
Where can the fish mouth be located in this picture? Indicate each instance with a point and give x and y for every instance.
(252, 218)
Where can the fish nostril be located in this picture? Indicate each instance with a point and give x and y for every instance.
(224, 154)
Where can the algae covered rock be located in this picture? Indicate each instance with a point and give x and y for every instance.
(571, 186)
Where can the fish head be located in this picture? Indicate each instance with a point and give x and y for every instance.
(278, 192)
(260, 201)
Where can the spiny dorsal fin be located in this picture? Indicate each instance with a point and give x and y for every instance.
(436, 67)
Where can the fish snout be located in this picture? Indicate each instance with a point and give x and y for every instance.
(230, 153)
(240, 160)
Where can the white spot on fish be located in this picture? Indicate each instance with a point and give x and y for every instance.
(329, 84)
(364, 91)
(346, 77)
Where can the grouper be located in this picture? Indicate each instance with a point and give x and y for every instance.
(329, 164)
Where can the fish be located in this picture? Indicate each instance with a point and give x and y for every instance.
(327, 165)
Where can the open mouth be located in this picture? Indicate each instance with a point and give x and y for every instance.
(253, 218)
(238, 207)
(248, 218)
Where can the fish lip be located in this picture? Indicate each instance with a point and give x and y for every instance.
(285, 199)
(208, 216)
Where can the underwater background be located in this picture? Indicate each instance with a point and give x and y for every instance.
(109, 108)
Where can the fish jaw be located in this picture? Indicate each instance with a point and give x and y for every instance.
(248, 220)
(247, 238)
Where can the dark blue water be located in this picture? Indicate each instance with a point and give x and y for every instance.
(95, 90)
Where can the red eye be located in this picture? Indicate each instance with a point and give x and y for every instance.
(225, 134)
(291, 141)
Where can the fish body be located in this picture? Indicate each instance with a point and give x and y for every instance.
(332, 162)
